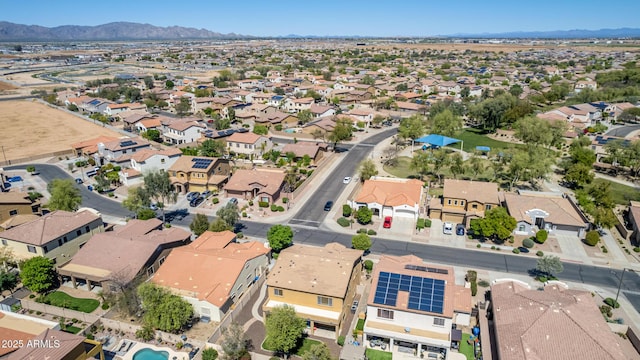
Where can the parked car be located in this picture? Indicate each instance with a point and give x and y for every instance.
(447, 228)
(328, 205)
(193, 195)
(153, 207)
(354, 306)
(523, 249)
(387, 222)
(196, 201)
(346, 180)
(205, 194)
(14, 179)
(233, 201)
(460, 229)
(78, 181)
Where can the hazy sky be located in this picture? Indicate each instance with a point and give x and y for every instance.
(331, 17)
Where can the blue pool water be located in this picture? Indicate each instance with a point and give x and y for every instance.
(148, 354)
(290, 131)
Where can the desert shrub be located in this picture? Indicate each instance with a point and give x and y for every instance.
(483, 283)
(280, 208)
(592, 238)
(541, 236)
(474, 288)
(361, 231)
(612, 302)
(606, 310)
(368, 265)
(539, 253)
(636, 249)
(285, 200)
(427, 223)
(478, 246)
(244, 214)
(344, 222)
(215, 200)
(346, 210)
(274, 207)
(528, 243)
(340, 342)
(105, 306)
(516, 251)
(371, 232)
(263, 204)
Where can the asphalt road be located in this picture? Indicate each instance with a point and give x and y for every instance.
(623, 131)
(494, 261)
(312, 213)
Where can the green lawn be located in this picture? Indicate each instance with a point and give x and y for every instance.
(466, 348)
(475, 137)
(403, 170)
(360, 325)
(303, 346)
(621, 194)
(71, 329)
(58, 298)
(377, 354)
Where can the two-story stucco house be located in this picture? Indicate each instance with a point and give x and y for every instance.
(463, 200)
(412, 307)
(248, 143)
(199, 173)
(148, 160)
(390, 197)
(318, 282)
(57, 235)
(213, 272)
(182, 131)
(118, 151)
(297, 105)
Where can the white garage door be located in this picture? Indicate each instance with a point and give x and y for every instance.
(405, 213)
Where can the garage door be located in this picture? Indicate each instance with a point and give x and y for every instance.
(453, 218)
(405, 213)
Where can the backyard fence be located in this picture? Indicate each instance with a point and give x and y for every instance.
(58, 311)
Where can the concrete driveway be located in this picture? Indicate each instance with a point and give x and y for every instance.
(399, 226)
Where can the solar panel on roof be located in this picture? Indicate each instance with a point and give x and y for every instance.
(425, 294)
(128, 143)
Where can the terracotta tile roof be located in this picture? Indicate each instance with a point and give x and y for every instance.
(144, 154)
(268, 181)
(303, 148)
(93, 142)
(482, 192)
(560, 210)
(18, 328)
(391, 192)
(397, 265)
(125, 251)
(208, 268)
(307, 100)
(49, 227)
(184, 125)
(318, 109)
(244, 138)
(18, 220)
(150, 123)
(297, 269)
(62, 345)
(117, 145)
(533, 324)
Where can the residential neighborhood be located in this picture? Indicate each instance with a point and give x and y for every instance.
(321, 199)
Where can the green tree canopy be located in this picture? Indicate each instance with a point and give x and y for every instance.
(200, 224)
(64, 195)
(367, 169)
(234, 342)
(279, 237)
(38, 274)
(218, 225)
(412, 127)
(152, 134)
(342, 131)
(497, 224)
(364, 215)
(361, 242)
(304, 116)
(229, 214)
(446, 123)
(163, 310)
(157, 187)
(318, 352)
(8, 281)
(284, 328)
(212, 148)
(549, 265)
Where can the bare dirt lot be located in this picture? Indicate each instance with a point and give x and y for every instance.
(6, 86)
(30, 128)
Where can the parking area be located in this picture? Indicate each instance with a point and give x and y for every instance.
(399, 226)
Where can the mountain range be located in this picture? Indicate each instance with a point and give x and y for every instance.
(136, 31)
(111, 31)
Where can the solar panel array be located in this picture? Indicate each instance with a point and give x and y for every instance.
(601, 140)
(128, 143)
(426, 269)
(425, 294)
(199, 163)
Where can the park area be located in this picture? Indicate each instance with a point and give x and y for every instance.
(30, 128)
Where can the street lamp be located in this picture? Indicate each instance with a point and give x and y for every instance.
(620, 283)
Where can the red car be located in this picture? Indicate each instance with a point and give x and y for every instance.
(387, 222)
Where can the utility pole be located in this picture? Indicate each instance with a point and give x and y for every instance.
(5, 155)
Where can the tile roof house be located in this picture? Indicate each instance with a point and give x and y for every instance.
(554, 212)
(315, 151)
(213, 271)
(57, 235)
(17, 203)
(118, 151)
(319, 282)
(412, 306)
(59, 345)
(390, 197)
(248, 143)
(463, 200)
(199, 173)
(112, 259)
(182, 131)
(533, 324)
(148, 160)
(90, 147)
(20, 328)
(297, 105)
(263, 184)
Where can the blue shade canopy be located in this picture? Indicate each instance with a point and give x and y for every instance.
(437, 140)
(483, 148)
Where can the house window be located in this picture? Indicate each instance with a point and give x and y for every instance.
(474, 206)
(13, 212)
(326, 301)
(31, 249)
(462, 202)
(487, 207)
(59, 242)
(455, 202)
(78, 232)
(438, 321)
(150, 271)
(385, 314)
(277, 292)
(521, 228)
(4, 242)
(449, 202)
(86, 229)
(162, 161)
(161, 260)
(44, 248)
(65, 239)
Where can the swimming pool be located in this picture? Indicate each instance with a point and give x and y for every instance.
(149, 354)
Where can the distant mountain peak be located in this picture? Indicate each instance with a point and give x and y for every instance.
(111, 31)
(557, 34)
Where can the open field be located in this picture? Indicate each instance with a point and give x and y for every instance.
(6, 86)
(30, 128)
(507, 48)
